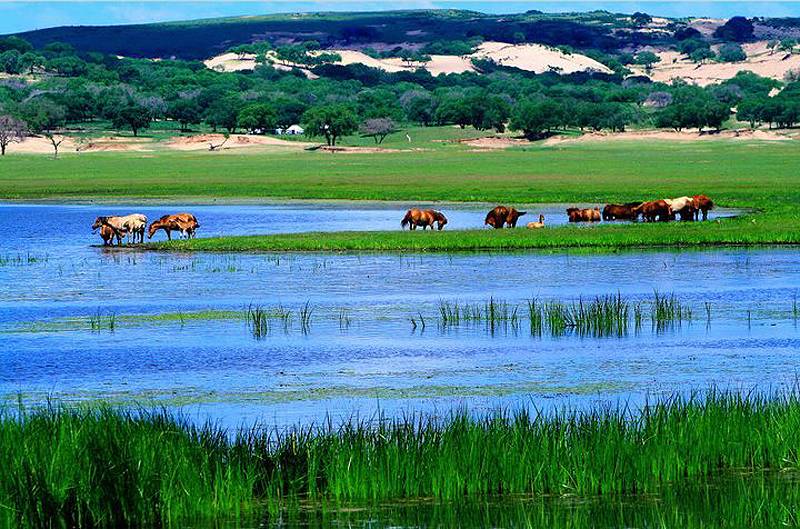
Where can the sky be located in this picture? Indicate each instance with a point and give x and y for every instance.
(21, 15)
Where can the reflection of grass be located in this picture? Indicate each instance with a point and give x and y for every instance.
(113, 468)
(111, 321)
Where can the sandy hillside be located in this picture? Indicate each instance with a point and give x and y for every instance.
(537, 58)
(233, 62)
(760, 60)
(529, 57)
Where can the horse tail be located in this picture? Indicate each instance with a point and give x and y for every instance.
(406, 220)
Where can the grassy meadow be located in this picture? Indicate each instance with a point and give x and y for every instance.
(110, 468)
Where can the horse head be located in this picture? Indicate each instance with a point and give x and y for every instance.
(99, 222)
(440, 219)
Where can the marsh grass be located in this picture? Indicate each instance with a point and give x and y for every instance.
(110, 468)
(22, 259)
(668, 312)
(99, 321)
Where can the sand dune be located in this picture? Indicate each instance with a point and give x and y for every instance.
(529, 57)
(760, 60)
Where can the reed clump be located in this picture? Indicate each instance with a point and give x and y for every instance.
(109, 467)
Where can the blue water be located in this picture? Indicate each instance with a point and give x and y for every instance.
(51, 271)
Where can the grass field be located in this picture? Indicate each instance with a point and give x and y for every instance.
(110, 468)
(758, 175)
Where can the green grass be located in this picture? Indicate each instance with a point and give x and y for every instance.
(106, 467)
(758, 175)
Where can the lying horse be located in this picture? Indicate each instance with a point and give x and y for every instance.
(536, 225)
(110, 228)
(423, 217)
(702, 204)
(185, 223)
(502, 216)
(583, 215)
(683, 206)
(655, 209)
(620, 211)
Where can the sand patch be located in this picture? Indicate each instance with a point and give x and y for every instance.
(760, 60)
(668, 135)
(202, 142)
(493, 143)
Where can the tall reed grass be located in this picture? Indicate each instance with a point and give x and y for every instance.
(111, 468)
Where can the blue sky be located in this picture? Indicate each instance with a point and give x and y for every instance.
(23, 15)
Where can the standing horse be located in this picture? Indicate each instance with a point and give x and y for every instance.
(185, 223)
(683, 206)
(702, 204)
(620, 211)
(113, 229)
(502, 216)
(655, 209)
(423, 217)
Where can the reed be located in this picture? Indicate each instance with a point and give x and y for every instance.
(304, 314)
(110, 467)
(257, 320)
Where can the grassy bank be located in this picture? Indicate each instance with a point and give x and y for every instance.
(752, 230)
(113, 468)
(757, 175)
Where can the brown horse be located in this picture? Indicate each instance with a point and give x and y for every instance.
(110, 228)
(655, 209)
(702, 204)
(502, 216)
(425, 218)
(185, 223)
(583, 215)
(620, 211)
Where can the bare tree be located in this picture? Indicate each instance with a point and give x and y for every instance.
(55, 140)
(213, 147)
(11, 130)
(378, 129)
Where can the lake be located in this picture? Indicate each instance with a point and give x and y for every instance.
(82, 323)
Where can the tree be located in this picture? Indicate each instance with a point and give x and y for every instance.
(224, 113)
(736, 29)
(330, 121)
(419, 106)
(751, 110)
(31, 60)
(132, 115)
(46, 117)
(647, 59)
(378, 129)
(11, 62)
(12, 130)
(701, 55)
(641, 19)
(731, 52)
(536, 118)
(455, 109)
(185, 111)
(257, 118)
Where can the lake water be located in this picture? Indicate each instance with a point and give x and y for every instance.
(361, 353)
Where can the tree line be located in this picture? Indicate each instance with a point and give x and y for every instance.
(62, 87)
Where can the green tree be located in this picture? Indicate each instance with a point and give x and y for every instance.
(185, 111)
(331, 121)
(224, 112)
(536, 118)
(257, 118)
(647, 59)
(454, 109)
(736, 29)
(132, 115)
(731, 52)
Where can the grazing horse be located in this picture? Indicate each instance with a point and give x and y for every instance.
(683, 206)
(536, 225)
(583, 215)
(441, 220)
(419, 217)
(113, 229)
(655, 209)
(702, 204)
(501, 216)
(185, 223)
(620, 211)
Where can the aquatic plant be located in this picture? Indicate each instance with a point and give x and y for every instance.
(107, 467)
(257, 319)
(305, 317)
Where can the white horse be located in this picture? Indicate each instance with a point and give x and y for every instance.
(683, 205)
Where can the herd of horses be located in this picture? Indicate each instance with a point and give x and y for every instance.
(662, 210)
(132, 227)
